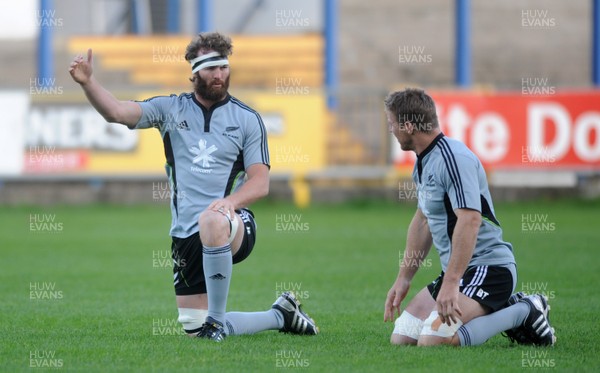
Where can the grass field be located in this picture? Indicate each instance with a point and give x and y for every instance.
(89, 289)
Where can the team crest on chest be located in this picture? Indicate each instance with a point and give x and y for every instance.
(231, 131)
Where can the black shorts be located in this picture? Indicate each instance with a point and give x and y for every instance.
(188, 270)
(490, 286)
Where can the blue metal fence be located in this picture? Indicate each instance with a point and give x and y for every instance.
(205, 9)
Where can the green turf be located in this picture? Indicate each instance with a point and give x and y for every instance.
(113, 310)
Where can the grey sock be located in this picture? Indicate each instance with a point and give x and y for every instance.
(480, 329)
(217, 273)
(252, 322)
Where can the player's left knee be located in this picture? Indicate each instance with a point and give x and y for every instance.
(213, 221)
(402, 340)
(406, 329)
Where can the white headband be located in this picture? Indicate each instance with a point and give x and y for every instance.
(208, 60)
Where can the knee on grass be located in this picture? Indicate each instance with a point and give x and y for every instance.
(407, 329)
(435, 332)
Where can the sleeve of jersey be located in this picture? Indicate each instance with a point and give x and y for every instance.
(460, 178)
(256, 148)
(154, 113)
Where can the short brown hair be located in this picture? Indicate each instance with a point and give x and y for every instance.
(415, 106)
(209, 41)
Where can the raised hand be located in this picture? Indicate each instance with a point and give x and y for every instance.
(81, 69)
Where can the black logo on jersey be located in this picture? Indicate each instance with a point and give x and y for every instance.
(183, 126)
(430, 180)
(231, 129)
(218, 276)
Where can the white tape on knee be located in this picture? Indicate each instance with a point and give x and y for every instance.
(408, 325)
(434, 326)
(191, 318)
(234, 227)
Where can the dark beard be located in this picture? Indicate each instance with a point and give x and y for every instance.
(202, 89)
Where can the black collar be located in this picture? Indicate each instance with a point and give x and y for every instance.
(425, 152)
(430, 146)
(207, 113)
(214, 106)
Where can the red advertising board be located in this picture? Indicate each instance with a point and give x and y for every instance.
(520, 131)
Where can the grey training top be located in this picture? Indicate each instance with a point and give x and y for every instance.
(448, 177)
(207, 151)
